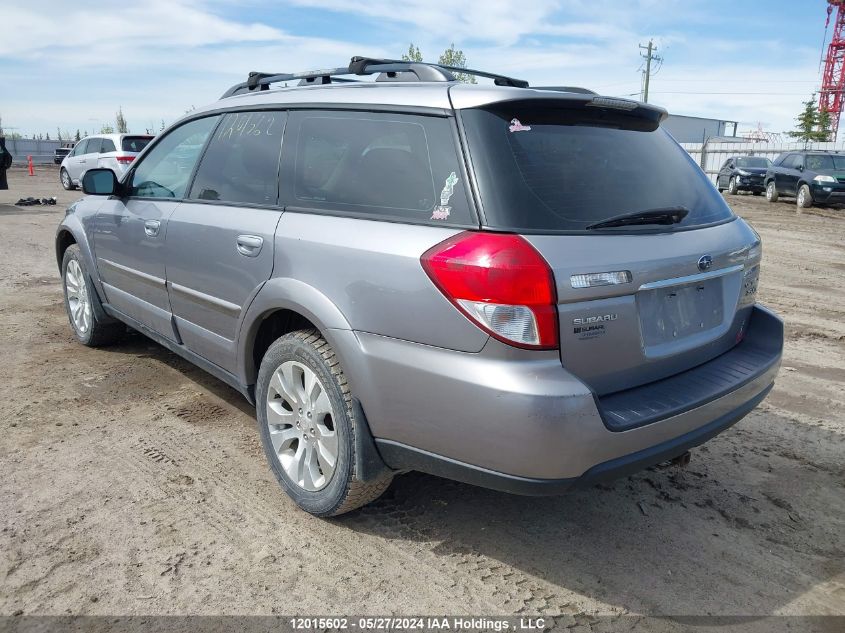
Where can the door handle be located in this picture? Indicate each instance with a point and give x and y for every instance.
(152, 227)
(250, 245)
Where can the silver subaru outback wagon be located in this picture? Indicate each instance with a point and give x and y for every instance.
(528, 289)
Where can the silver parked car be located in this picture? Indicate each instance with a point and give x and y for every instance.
(111, 151)
(525, 289)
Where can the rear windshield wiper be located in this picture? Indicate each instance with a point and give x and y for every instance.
(665, 215)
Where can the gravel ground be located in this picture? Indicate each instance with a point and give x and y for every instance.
(134, 483)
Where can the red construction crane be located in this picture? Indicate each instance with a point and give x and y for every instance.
(833, 79)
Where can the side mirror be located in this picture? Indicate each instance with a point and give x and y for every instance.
(800, 168)
(100, 182)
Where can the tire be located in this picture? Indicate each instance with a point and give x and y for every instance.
(804, 200)
(91, 326)
(300, 444)
(771, 192)
(732, 186)
(67, 183)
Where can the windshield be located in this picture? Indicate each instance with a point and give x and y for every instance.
(135, 143)
(818, 162)
(551, 169)
(752, 162)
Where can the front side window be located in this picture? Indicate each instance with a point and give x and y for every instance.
(385, 165)
(166, 169)
(80, 147)
(822, 162)
(241, 163)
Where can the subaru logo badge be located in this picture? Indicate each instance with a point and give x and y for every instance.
(705, 262)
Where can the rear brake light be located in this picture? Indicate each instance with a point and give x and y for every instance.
(125, 159)
(501, 283)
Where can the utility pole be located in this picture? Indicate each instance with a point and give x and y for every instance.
(649, 56)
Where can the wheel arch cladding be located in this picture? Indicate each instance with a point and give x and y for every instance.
(64, 238)
(284, 305)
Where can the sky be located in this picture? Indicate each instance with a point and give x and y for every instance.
(71, 65)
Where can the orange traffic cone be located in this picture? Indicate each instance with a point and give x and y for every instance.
(31, 168)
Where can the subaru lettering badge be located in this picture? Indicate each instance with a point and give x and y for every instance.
(705, 262)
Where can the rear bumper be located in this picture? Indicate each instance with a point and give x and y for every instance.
(520, 422)
(414, 459)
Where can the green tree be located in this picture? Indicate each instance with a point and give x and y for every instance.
(811, 125)
(106, 129)
(120, 122)
(824, 126)
(455, 57)
(78, 136)
(413, 55)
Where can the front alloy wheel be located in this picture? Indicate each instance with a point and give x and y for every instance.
(732, 188)
(78, 303)
(805, 198)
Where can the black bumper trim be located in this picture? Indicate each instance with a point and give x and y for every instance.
(759, 351)
(401, 457)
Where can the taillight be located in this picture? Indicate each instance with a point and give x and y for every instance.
(125, 159)
(501, 283)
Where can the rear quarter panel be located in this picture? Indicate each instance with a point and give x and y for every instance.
(371, 271)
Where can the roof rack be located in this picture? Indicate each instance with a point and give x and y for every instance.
(387, 69)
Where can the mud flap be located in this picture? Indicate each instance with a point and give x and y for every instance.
(369, 465)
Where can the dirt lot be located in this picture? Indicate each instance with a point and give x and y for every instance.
(133, 483)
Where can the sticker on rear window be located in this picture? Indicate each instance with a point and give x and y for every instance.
(517, 126)
(441, 211)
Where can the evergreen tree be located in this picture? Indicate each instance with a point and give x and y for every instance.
(120, 122)
(455, 57)
(413, 55)
(811, 125)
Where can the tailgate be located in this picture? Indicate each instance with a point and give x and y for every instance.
(673, 314)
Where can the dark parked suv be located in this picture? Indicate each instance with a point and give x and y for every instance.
(743, 173)
(811, 176)
(526, 289)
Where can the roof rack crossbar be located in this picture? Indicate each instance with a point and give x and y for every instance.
(368, 66)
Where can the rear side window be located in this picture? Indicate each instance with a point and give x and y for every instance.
(134, 143)
(93, 146)
(390, 166)
(241, 163)
(107, 146)
(560, 170)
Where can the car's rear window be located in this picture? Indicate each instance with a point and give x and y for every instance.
(554, 169)
(135, 143)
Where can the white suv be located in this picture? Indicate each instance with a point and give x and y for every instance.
(112, 151)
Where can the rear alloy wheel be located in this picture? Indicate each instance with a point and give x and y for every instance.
(308, 426)
(67, 183)
(771, 192)
(732, 186)
(805, 198)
